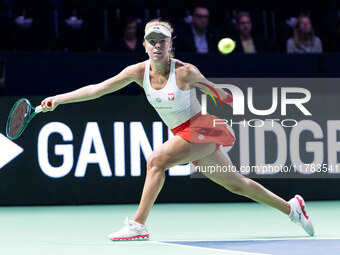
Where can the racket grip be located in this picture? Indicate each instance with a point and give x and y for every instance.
(38, 109)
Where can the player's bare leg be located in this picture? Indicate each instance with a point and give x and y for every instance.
(174, 152)
(237, 183)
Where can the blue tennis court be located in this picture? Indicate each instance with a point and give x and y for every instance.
(273, 247)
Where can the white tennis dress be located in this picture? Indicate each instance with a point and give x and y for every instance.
(173, 105)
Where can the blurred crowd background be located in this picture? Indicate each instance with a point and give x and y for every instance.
(294, 26)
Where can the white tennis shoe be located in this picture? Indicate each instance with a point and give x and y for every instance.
(299, 215)
(131, 231)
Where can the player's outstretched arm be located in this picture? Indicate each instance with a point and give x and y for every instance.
(197, 79)
(92, 91)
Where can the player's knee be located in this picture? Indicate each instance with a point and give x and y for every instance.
(155, 162)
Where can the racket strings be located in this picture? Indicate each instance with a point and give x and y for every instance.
(18, 119)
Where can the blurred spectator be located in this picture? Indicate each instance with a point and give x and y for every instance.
(130, 40)
(197, 35)
(304, 39)
(245, 41)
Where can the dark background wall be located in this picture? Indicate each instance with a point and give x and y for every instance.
(50, 73)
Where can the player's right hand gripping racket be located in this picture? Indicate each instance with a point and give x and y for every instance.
(21, 114)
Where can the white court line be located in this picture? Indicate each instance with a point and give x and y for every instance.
(210, 249)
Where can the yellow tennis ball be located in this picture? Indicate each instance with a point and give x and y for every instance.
(226, 45)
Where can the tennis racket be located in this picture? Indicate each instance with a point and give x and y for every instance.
(21, 114)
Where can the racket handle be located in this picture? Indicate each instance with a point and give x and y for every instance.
(38, 109)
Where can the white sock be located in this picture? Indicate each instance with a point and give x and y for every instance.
(140, 225)
(291, 203)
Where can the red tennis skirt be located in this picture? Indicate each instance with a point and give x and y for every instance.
(200, 129)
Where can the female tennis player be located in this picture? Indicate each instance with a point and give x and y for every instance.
(170, 88)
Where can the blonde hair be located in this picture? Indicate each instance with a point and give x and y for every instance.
(298, 37)
(159, 22)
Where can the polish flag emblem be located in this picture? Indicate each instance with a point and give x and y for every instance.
(171, 96)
